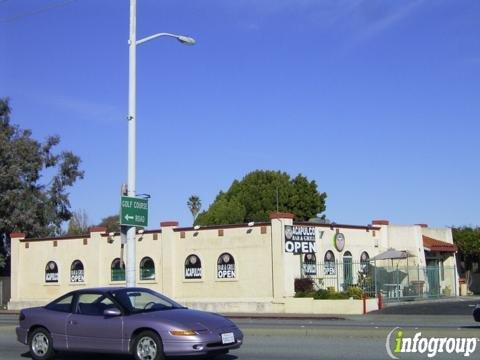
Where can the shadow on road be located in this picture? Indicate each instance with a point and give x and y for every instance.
(81, 356)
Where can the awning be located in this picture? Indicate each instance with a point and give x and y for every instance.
(431, 244)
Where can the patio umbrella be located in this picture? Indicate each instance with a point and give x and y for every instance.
(393, 254)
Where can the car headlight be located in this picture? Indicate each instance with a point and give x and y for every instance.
(183, 332)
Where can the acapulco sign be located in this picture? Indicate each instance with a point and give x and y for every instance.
(300, 239)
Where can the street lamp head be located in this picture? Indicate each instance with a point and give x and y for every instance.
(186, 40)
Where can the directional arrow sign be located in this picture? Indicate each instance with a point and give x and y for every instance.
(134, 211)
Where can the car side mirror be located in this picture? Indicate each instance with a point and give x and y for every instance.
(112, 312)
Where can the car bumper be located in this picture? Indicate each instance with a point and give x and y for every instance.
(22, 335)
(203, 345)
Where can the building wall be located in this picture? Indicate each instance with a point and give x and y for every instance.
(407, 238)
(253, 262)
(264, 271)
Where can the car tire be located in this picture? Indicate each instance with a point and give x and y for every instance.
(148, 346)
(40, 344)
(476, 314)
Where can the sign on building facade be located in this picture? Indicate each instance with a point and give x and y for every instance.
(300, 239)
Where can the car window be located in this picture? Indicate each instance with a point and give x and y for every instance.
(141, 301)
(64, 304)
(93, 304)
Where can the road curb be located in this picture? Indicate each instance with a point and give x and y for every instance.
(283, 316)
(9, 312)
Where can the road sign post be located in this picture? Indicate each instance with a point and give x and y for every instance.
(134, 211)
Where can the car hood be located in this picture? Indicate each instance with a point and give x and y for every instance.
(190, 319)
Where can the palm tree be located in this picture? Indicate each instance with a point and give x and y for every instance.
(194, 204)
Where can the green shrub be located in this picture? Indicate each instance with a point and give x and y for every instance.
(330, 294)
(355, 292)
(321, 294)
(338, 296)
(305, 294)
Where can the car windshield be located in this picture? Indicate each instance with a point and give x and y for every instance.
(143, 300)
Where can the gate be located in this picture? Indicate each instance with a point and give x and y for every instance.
(433, 281)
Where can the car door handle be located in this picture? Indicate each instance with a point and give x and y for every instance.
(72, 322)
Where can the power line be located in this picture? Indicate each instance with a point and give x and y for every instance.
(34, 12)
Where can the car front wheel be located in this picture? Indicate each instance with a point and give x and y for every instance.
(40, 344)
(148, 346)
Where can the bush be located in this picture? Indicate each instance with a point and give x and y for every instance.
(304, 289)
(304, 285)
(321, 294)
(305, 294)
(330, 294)
(355, 292)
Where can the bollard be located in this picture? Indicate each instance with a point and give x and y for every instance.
(380, 301)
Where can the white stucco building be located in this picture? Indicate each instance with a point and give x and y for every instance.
(234, 268)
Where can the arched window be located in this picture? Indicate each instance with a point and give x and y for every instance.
(226, 266)
(347, 269)
(310, 264)
(118, 270)
(147, 269)
(364, 262)
(77, 273)
(329, 263)
(193, 267)
(51, 272)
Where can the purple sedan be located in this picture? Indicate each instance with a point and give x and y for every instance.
(133, 321)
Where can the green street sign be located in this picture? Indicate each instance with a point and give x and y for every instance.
(134, 211)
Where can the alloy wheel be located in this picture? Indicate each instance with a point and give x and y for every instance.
(40, 344)
(146, 348)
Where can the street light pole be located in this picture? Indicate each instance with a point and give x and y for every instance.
(131, 183)
(131, 274)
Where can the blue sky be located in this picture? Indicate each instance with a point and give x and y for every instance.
(376, 100)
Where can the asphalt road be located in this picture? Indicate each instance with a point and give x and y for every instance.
(460, 306)
(353, 337)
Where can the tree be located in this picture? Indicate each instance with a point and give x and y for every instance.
(78, 224)
(112, 223)
(31, 201)
(255, 197)
(194, 204)
(467, 239)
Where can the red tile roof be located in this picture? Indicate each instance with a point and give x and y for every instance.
(437, 245)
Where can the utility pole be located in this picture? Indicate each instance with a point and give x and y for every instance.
(131, 275)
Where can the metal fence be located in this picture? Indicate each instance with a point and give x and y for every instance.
(395, 283)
